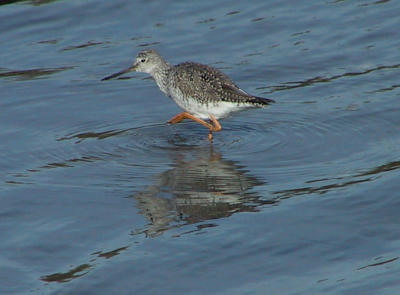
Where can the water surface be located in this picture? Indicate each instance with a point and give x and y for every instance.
(100, 196)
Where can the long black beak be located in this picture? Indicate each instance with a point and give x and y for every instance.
(130, 69)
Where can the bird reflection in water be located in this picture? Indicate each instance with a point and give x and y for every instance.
(203, 187)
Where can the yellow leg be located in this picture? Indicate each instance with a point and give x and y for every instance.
(178, 118)
(216, 126)
(185, 115)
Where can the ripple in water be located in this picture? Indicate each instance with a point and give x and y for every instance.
(285, 140)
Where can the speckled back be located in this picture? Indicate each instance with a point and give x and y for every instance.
(207, 84)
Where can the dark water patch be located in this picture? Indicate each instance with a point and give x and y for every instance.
(142, 133)
(95, 135)
(301, 33)
(205, 21)
(84, 45)
(16, 182)
(55, 165)
(379, 263)
(382, 168)
(253, 54)
(83, 269)
(386, 89)
(137, 38)
(318, 189)
(374, 3)
(31, 2)
(52, 41)
(257, 19)
(111, 253)
(148, 44)
(319, 79)
(233, 12)
(32, 73)
(197, 230)
(67, 163)
(74, 273)
(64, 163)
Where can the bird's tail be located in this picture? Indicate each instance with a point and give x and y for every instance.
(262, 100)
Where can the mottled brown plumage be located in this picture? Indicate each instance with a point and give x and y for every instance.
(207, 84)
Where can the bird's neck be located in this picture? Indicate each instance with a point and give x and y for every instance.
(160, 75)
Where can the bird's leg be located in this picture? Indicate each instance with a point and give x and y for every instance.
(215, 127)
(185, 115)
(178, 118)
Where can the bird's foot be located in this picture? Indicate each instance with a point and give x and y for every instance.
(210, 136)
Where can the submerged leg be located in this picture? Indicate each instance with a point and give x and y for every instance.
(216, 127)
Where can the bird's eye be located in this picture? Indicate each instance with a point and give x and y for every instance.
(143, 60)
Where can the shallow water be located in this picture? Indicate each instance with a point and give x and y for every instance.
(100, 196)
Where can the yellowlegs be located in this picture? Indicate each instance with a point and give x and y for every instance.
(203, 92)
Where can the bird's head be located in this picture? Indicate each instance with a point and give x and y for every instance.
(146, 61)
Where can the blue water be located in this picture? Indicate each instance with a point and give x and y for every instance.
(99, 195)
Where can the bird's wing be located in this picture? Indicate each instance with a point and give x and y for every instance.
(208, 84)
